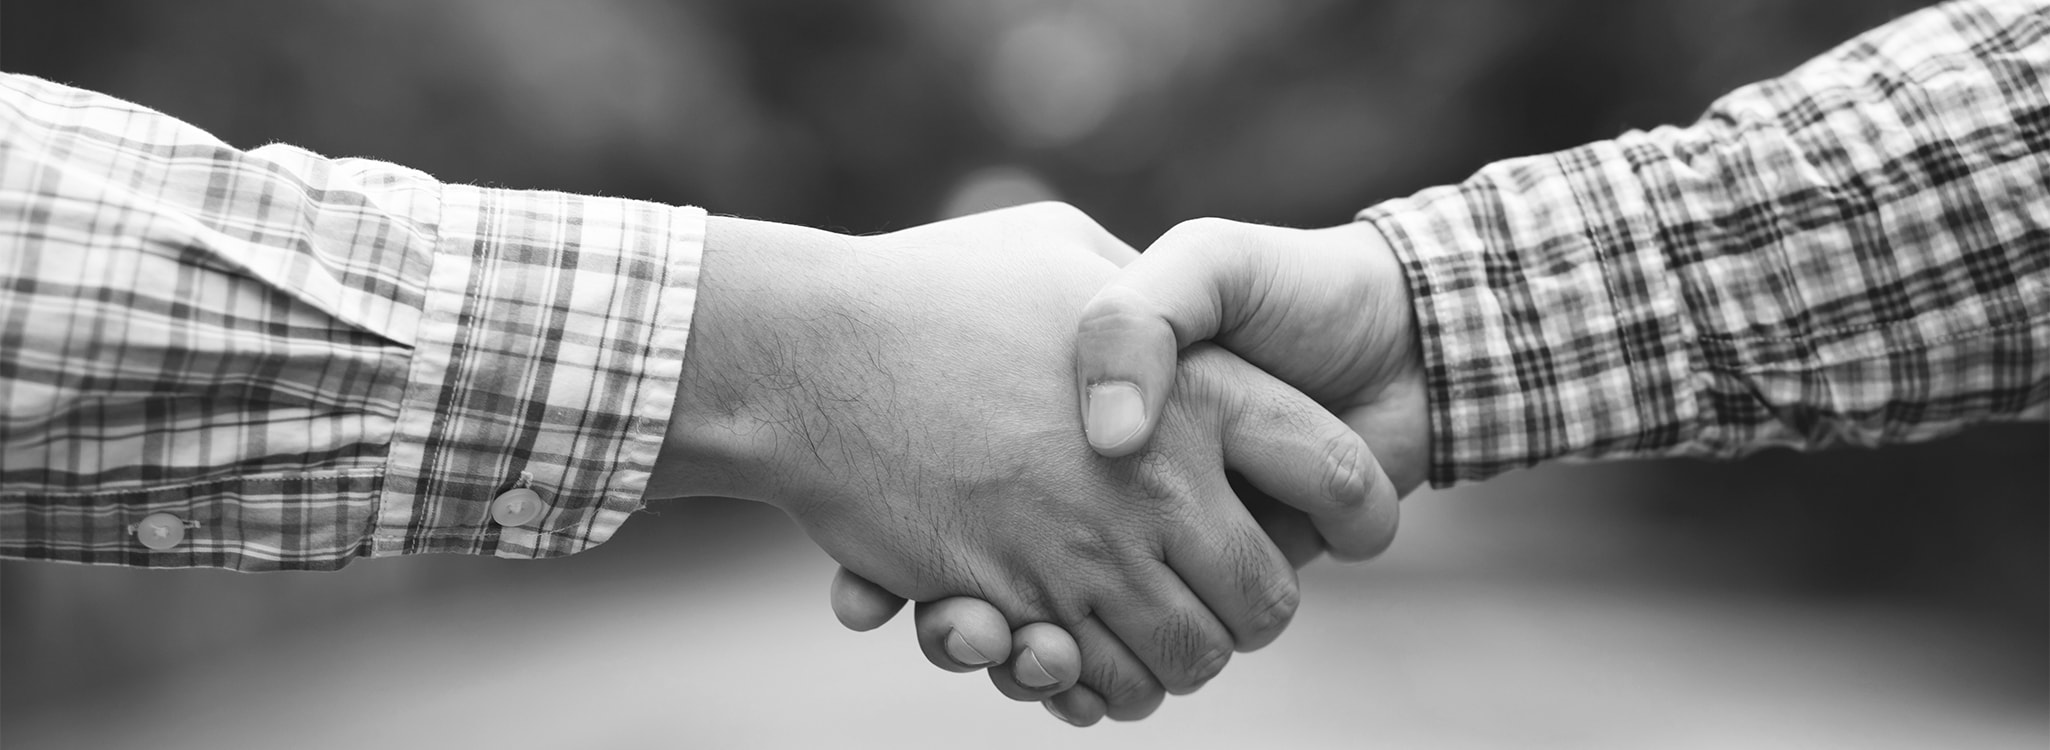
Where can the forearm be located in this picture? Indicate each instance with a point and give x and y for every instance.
(1853, 252)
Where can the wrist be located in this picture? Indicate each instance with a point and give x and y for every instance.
(1393, 303)
(1406, 394)
(756, 280)
(1403, 397)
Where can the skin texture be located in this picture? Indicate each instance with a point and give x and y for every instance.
(1327, 311)
(905, 398)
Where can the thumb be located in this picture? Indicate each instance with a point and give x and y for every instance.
(1131, 333)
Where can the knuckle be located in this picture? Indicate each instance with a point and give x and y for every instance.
(1345, 484)
(1121, 687)
(1120, 308)
(1385, 518)
(1031, 599)
(1159, 479)
(1109, 564)
(1058, 211)
(1071, 616)
(1207, 239)
(1099, 547)
(1273, 411)
(1154, 487)
(1274, 600)
(1193, 654)
(1197, 232)
(1208, 666)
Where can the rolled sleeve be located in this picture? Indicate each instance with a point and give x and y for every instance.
(550, 343)
(274, 360)
(1854, 253)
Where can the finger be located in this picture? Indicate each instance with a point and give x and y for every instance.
(1299, 453)
(961, 634)
(1044, 661)
(1291, 530)
(1129, 334)
(862, 605)
(1079, 706)
(1167, 627)
(1223, 557)
(1123, 687)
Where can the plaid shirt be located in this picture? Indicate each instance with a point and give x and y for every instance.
(1856, 252)
(305, 360)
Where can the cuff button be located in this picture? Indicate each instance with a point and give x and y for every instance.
(160, 531)
(517, 507)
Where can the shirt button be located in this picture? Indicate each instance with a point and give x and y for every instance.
(160, 531)
(517, 507)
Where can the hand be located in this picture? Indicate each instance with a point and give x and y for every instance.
(1044, 658)
(901, 396)
(1326, 310)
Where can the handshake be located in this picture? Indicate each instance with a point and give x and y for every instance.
(1015, 419)
(1096, 471)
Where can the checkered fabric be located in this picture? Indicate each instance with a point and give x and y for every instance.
(308, 360)
(1857, 252)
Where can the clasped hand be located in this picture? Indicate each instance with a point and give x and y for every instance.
(911, 399)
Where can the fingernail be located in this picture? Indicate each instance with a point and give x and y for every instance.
(1030, 673)
(1056, 711)
(963, 653)
(1115, 412)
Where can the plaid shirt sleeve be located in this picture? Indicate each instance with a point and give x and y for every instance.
(1857, 252)
(288, 362)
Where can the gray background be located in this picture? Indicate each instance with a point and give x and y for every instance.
(1867, 599)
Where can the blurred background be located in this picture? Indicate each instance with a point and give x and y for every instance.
(1866, 599)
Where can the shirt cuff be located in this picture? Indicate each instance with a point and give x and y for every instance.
(1551, 327)
(548, 352)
